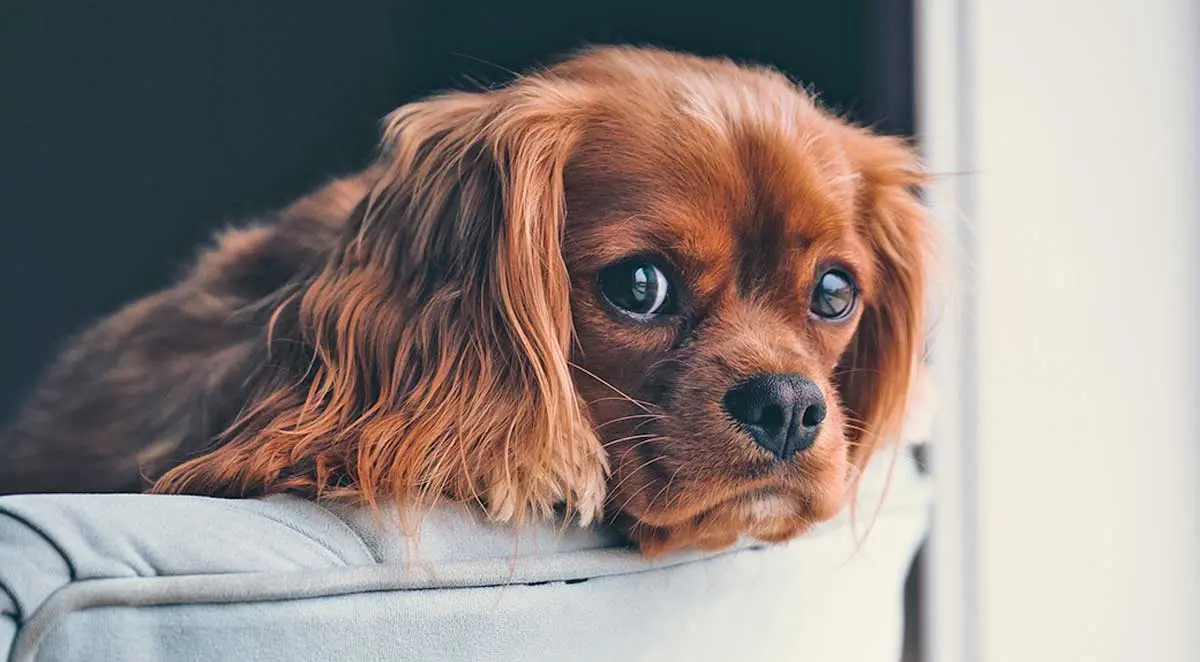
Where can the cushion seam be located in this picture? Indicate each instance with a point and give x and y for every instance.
(346, 525)
(73, 573)
(17, 612)
(306, 534)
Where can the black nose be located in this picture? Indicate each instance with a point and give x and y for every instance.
(782, 413)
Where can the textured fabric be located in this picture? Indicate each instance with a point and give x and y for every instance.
(141, 577)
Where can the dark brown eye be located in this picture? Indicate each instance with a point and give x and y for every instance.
(834, 296)
(637, 288)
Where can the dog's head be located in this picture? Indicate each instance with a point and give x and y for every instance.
(670, 286)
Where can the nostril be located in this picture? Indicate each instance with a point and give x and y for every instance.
(813, 415)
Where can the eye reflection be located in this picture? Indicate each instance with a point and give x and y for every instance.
(834, 295)
(638, 288)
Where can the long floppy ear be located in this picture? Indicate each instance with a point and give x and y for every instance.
(437, 335)
(878, 369)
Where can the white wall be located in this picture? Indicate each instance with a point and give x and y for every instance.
(1068, 459)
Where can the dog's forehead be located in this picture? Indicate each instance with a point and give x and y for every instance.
(736, 165)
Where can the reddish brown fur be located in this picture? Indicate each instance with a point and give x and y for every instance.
(432, 328)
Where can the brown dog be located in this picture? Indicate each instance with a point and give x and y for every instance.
(667, 288)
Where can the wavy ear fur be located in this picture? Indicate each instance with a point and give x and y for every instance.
(878, 369)
(428, 357)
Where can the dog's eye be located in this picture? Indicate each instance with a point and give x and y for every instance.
(834, 296)
(639, 289)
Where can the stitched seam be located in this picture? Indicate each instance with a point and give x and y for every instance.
(12, 597)
(73, 573)
(238, 504)
(17, 612)
(357, 536)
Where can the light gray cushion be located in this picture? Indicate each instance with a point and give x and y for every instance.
(140, 577)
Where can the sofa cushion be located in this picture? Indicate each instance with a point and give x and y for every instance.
(151, 577)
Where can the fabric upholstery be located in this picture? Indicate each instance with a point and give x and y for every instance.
(150, 577)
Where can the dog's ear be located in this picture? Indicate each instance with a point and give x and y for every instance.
(877, 370)
(438, 333)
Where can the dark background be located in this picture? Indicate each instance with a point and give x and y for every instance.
(131, 129)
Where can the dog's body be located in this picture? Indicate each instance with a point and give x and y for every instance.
(154, 384)
(665, 288)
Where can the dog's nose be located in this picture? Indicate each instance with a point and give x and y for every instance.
(782, 413)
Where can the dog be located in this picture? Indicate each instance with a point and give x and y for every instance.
(668, 291)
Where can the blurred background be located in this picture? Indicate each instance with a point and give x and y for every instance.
(1064, 136)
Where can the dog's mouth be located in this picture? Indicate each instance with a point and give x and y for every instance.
(771, 500)
(692, 482)
(770, 514)
(752, 500)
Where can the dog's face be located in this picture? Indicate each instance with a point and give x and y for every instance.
(668, 286)
(721, 255)
(715, 288)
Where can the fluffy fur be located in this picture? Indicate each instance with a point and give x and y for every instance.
(431, 327)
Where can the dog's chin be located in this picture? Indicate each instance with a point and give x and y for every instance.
(775, 517)
(670, 497)
(770, 515)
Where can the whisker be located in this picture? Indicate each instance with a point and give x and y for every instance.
(678, 495)
(858, 444)
(614, 388)
(630, 417)
(635, 446)
(667, 489)
(665, 359)
(805, 472)
(633, 496)
(855, 370)
(645, 464)
(622, 398)
(629, 438)
(643, 424)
